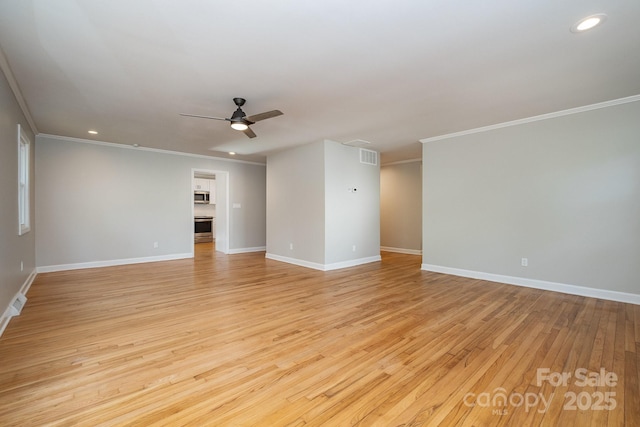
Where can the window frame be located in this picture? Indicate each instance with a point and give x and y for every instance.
(24, 183)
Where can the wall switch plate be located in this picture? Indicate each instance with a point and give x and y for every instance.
(155, 245)
(290, 246)
(524, 262)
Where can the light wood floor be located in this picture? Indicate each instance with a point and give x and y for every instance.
(240, 340)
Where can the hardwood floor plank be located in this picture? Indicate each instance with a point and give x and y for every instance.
(244, 341)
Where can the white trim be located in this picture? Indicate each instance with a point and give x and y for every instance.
(17, 93)
(538, 284)
(24, 183)
(9, 312)
(111, 263)
(27, 284)
(295, 261)
(401, 250)
(5, 318)
(247, 250)
(226, 213)
(140, 148)
(323, 267)
(570, 111)
(401, 162)
(352, 263)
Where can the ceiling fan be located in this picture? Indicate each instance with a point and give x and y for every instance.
(239, 120)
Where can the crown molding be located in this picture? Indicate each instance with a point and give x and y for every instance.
(15, 88)
(401, 162)
(140, 148)
(547, 116)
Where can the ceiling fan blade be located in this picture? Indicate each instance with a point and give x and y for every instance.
(249, 133)
(203, 117)
(263, 116)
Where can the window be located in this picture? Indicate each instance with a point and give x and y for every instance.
(24, 217)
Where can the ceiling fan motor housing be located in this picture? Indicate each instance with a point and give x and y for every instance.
(239, 117)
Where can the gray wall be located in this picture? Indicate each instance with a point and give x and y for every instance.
(309, 205)
(562, 192)
(401, 206)
(352, 218)
(109, 202)
(14, 249)
(295, 203)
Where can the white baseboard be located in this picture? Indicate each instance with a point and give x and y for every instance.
(111, 263)
(295, 261)
(27, 283)
(21, 296)
(401, 250)
(247, 250)
(538, 284)
(323, 267)
(352, 262)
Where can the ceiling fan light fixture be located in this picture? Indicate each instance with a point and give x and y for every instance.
(239, 126)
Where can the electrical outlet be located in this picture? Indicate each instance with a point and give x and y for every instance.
(353, 248)
(155, 245)
(21, 266)
(524, 262)
(290, 246)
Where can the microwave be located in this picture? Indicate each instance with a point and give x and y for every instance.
(201, 197)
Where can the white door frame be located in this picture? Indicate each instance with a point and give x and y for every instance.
(224, 243)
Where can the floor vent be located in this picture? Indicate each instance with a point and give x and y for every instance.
(368, 157)
(16, 306)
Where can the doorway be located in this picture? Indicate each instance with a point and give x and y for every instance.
(219, 209)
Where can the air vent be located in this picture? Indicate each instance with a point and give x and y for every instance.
(16, 306)
(368, 157)
(357, 143)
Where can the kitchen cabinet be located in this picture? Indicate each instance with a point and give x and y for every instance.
(208, 185)
(200, 184)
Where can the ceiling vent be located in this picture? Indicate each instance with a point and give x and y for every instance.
(357, 143)
(368, 157)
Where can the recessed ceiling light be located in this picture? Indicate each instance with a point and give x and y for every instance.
(588, 23)
(232, 153)
(93, 132)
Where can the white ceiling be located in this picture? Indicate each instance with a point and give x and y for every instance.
(388, 72)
